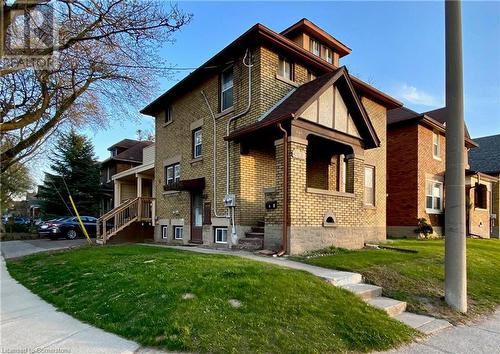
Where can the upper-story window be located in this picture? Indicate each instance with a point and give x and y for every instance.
(172, 174)
(168, 114)
(328, 54)
(315, 47)
(226, 89)
(285, 69)
(436, 147)
(311, 76)
(197, 139)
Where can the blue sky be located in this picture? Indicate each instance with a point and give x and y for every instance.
(396, 46)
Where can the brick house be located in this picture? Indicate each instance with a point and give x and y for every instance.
(271, 143)
(486, 160)
(124, 155)
(416, 179)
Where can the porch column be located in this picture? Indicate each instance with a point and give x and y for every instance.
(139, 185)
(117, 193)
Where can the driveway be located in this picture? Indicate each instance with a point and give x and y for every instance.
(13, 249)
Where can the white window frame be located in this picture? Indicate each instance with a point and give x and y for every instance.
(372, 168)
(221, 229)
(197, 133)
(439, 185)
(164, 232)
(312, 44)
(436, 146)
(282, 64)
(224, 89)
(176, 174)
(328, 54)
(177, 228)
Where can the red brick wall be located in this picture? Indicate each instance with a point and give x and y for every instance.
(402, 162)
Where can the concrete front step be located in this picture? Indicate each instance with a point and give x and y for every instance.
(391, 306)
(250, 243)
(364, 291)
(424, 324)
(254, 235)
(259, 229)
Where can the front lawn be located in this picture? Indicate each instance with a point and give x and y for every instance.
(418, 278)
(138, 292)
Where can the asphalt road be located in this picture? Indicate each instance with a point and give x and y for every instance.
(14, 249)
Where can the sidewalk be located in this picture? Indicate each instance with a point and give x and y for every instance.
(30, 325)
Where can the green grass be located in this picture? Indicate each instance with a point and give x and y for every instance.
(136, 292)
(418, 278)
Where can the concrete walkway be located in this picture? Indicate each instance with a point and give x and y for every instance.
(30, 325)
(482, 337)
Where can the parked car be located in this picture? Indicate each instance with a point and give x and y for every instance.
(44, 227)
(18, 220)
(70, 227)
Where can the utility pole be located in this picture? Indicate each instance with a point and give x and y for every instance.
(455, 267)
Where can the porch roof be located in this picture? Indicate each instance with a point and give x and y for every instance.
(294, 105)
(143, 169)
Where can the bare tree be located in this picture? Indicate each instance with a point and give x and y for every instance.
(107, 67)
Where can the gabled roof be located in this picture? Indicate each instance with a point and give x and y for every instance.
(486, 157)
(261, 35)
(435, 119)
(296, 103)
(125, 143)
(132, 154)
(316, 32)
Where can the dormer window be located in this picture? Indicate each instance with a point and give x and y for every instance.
(285, 69)
(226, 89)
(328, 54)
(315, 47)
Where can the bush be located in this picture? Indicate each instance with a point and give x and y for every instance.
(424, 228)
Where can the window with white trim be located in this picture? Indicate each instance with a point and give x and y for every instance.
(172, 174)
(328, 54)
(315, 47)
(226, 89)
(436, 147)
(285, 69)
(178, 230)
(164, 232)
(433, 196)
(220, 235)
(197, 140)
(370, 185)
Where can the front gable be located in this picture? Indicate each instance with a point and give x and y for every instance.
(336, 106)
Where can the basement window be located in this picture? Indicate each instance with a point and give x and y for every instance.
(164, 232)
(178, 230)
(220, 235)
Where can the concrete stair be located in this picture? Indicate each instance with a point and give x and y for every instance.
(391, 306)
(251, 243)
(372, 294)
(364, 291)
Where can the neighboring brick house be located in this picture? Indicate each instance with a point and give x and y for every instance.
(124, 155)
(416, 178)
(220, 152)
(486, 159)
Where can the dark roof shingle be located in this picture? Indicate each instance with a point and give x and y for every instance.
(486, 157)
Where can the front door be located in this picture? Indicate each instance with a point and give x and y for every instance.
(196, 217)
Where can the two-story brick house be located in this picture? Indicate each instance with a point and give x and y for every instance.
(271, 142)
(124, 155)
(416, 175)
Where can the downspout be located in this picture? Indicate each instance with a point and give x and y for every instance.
(214, 186)
(230, 120)
(284, 241)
